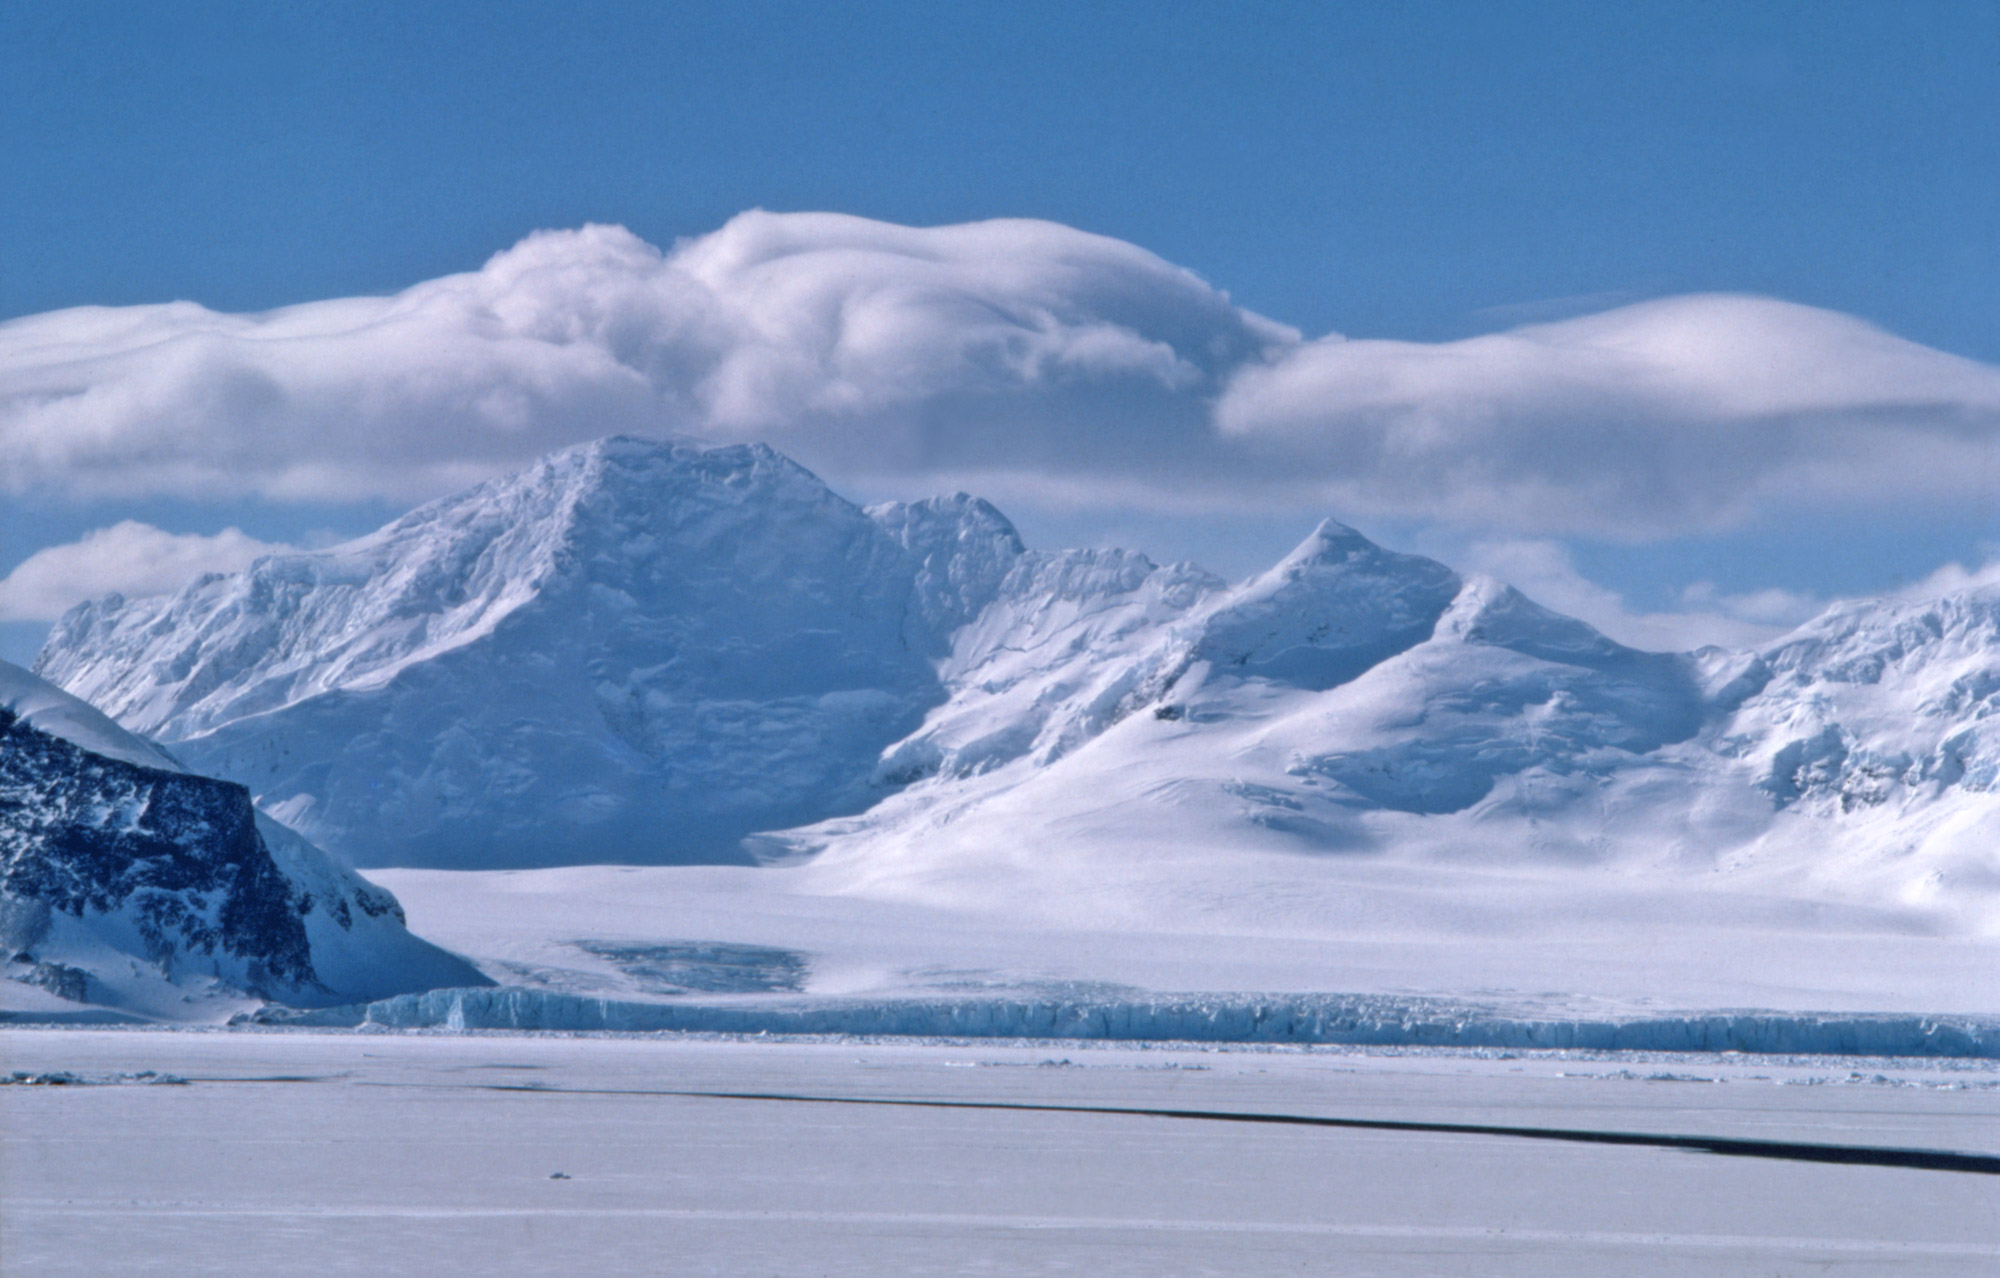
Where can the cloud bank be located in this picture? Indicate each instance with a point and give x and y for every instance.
(1546, 571)
(1665, 416)
(129, 558)
(1025, 359)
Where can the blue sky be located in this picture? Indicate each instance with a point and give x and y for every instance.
(1403, 170)
(1416, 172)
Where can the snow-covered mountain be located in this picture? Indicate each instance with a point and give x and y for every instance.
(660, 652)
(1353, 702)
(127, 881)
(628, 652)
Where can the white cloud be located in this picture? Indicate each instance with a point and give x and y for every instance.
(1021, 359)
(1955, 578)
(130, 558)
(1653, 419)
(863, 347)
(1772, 606)
(1546, 572)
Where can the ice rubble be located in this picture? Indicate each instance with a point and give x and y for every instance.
(128, 882)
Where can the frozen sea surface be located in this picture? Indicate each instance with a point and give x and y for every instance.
(384, 1153)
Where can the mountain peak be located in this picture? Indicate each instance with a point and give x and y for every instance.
(961, 548)
(666, 644)
(1329, 542)
(1335, 606)
(1489, 611)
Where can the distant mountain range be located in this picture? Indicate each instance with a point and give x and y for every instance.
(660, 652)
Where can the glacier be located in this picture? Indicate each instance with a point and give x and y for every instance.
(129, 883)
(651, 693)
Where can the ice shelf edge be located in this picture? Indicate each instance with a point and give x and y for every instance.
(1330, 1019)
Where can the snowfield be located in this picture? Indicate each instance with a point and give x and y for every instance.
(399, 1154)
(1451, 956)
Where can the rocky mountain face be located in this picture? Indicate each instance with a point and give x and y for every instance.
(659, 652)
(129, 882)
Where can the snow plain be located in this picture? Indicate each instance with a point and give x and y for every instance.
(1575, 942)
(383, 1153)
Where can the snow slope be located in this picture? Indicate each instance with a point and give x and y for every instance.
(1875, 731)
(1353, 704)
(128, 882)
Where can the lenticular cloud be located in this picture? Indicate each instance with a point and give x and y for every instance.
(1028, 359)
(889, 348)
(1684, 412)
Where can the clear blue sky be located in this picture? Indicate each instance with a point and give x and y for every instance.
(1376, 169)
(1407, 170)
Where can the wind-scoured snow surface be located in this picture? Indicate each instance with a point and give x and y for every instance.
(661, 653)
(130, 883)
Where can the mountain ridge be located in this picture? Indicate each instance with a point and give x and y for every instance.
(703, 654)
